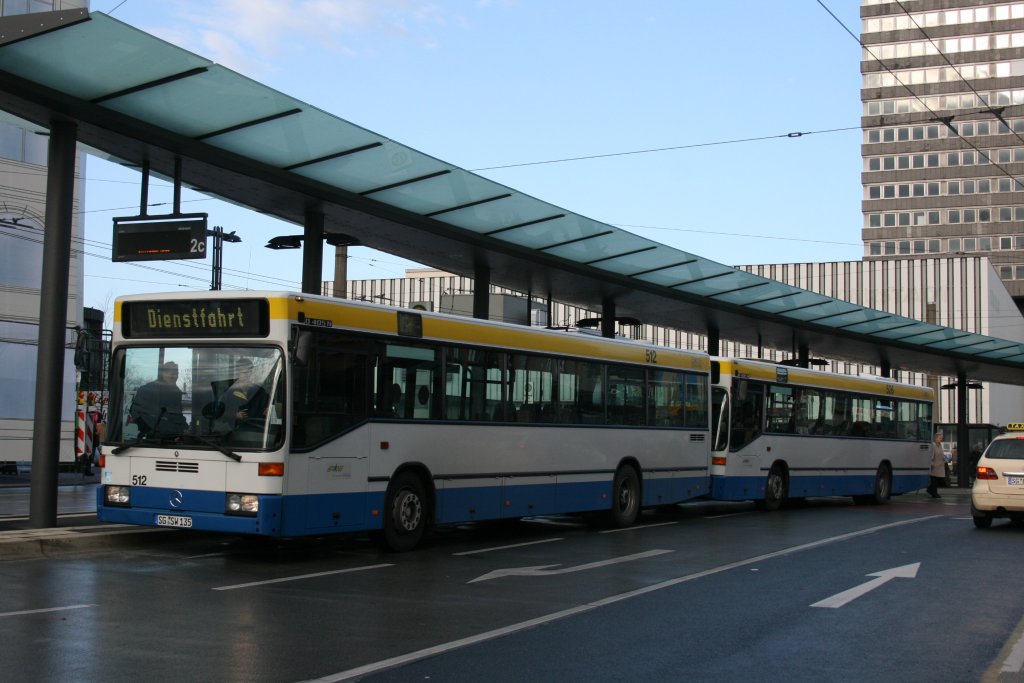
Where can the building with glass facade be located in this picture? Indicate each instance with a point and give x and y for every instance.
(23, 151)
(943, 126)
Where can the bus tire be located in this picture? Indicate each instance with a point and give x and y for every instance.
(405, 513)
(882, 491)
(625, 497)
(775, 489)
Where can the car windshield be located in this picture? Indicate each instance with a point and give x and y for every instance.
(202, 397)
(1006, 449)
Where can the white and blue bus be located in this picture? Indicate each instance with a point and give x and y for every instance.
(281, 414)
(783, 432)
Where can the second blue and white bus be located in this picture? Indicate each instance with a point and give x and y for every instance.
(790, 433)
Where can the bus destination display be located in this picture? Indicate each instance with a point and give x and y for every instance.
(160, 240)
(201, 318)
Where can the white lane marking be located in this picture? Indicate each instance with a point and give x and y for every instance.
(638, 527)
(506, 547)
(543, 569)
(301, 577)
(1015, 661)
(42, 611)
(729, 514)
(443, 648)
(907, 571)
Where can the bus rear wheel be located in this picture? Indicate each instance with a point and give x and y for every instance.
(774, 490)
(881, 492)
(625, 497)
(405, 513)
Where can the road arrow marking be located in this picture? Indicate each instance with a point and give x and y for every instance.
(907, 571)
(545, 569)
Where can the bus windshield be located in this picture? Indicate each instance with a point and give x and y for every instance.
(197, 396)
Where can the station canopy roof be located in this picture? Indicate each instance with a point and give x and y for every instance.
(137, 98)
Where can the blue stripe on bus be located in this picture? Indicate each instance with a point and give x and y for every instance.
(752, 488)
(305, 515)
(204, 508)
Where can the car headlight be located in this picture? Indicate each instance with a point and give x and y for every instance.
(118, 495)
(242, 504)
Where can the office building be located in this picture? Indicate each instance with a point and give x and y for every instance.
(943, 132)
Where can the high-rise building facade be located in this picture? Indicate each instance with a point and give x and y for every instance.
(23, 154)
(943, 126)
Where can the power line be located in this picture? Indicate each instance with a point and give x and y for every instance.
(668, 149)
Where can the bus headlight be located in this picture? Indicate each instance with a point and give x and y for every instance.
(118, 495)
(242, 504)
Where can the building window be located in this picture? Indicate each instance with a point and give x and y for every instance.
(875, 249)
(954, 245)
(970, 244)
(934, 246)
(985, 243)
(1005, 273)
(918, 246)
(1006, 243)
(890, 248)
(904, 246)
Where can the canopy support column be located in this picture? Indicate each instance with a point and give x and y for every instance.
(714, 341)
(963, 443)
(481, 291)
(53, 315)
(312, 252)
(608, 318)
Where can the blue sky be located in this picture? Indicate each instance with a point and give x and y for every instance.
(488, 83)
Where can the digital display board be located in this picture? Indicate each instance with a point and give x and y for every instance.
(152, 240)
(197, 318)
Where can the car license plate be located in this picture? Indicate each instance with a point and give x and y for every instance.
(174, 520)
(1015, 481)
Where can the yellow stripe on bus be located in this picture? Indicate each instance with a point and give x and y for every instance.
(797, 376)
(469, 332)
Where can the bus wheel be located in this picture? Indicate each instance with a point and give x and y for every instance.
(625, 497)
(774, 490)
(883, 486)
(405, 519)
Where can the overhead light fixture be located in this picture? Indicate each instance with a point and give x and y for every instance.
(285, 242)
(295, 241)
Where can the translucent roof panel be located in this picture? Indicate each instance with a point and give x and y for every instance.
(98, 57)
(554, 233)
(715, 283)
(299, 139)
(796, 298)
(440, 193)
(501, 215)
(383, 166)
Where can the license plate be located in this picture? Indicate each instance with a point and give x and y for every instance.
(1015, 481)
(174, 520)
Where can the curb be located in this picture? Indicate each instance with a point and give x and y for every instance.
(43, 543)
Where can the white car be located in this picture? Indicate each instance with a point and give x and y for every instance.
(999, 480)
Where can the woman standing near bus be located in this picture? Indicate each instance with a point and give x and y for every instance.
(938, 467)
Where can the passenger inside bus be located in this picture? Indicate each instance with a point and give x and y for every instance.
(156, 408)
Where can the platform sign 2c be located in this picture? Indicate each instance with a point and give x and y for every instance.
(151, 238)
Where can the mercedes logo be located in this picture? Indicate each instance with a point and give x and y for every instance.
(176, 499)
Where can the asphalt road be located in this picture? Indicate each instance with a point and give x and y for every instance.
(700, 593)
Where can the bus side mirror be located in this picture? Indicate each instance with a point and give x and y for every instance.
(302, 348)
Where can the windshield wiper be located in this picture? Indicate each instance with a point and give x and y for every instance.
(213, 444)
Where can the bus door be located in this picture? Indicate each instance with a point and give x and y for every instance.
(747, 416)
